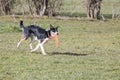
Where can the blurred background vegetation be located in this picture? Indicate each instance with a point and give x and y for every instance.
(70, 8)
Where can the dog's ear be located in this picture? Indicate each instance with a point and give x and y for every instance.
(57, 27)
(51, 26)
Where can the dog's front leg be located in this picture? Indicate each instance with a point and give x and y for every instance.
(38, 45)
(42, 49)
(41, 46)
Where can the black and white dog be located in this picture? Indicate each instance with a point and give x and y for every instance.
(37, 33)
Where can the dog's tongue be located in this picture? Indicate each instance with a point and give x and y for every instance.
(56, 40)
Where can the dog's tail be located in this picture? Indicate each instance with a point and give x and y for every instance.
(21, 24)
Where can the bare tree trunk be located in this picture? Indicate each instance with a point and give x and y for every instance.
(43, 8)
(6, 6)
(40, 6)
(88, 9)
(93, 8)
(30, 7)
(53, 5)
(22, 8)
(2, 9)
(46, 6)
(97, 9)
(116, 10)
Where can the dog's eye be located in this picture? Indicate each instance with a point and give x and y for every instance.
(53, 31)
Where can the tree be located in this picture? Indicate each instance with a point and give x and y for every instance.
(33, 7)
(116, 10)
(93, 9)
(43, 7)
(40, 6)
(6, 6)
(52, 6)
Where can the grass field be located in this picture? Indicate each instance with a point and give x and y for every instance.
(88, 50)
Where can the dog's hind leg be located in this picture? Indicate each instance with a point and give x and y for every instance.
(31, 44)
(21, 40)
(32, 40)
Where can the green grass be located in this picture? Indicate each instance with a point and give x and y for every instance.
(88, 50)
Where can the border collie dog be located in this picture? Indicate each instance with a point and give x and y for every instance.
(37, 33)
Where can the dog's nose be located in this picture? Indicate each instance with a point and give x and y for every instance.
(57, 33)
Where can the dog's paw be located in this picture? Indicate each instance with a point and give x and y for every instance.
(32, 51)
(44, 54)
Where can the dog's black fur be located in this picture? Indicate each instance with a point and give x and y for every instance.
(37, 33)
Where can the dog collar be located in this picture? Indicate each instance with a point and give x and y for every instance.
(48, 34)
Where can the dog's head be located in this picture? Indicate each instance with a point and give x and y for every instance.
(53, 30)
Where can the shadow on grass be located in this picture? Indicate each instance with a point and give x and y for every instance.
(68, 53)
